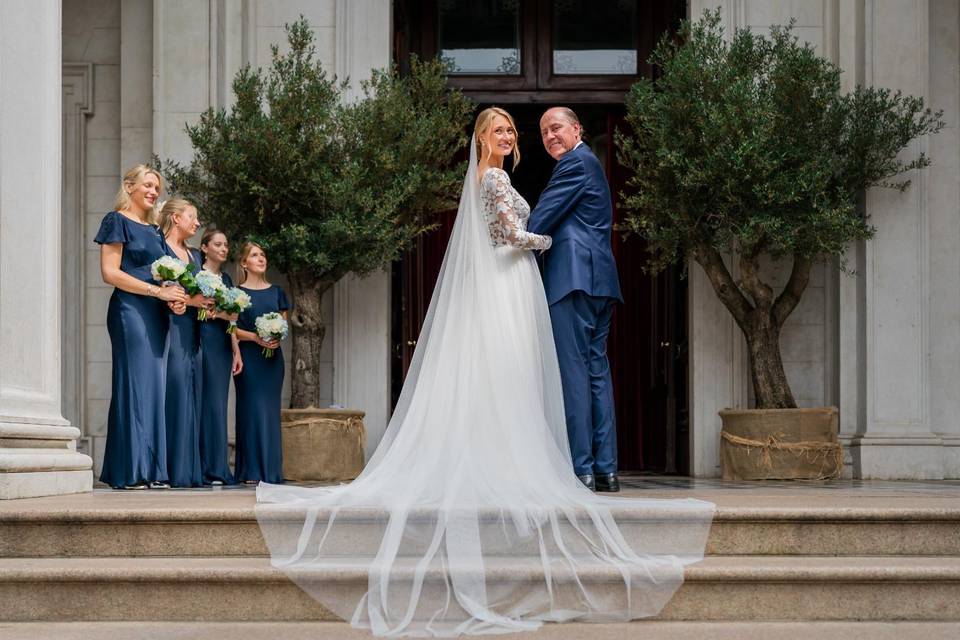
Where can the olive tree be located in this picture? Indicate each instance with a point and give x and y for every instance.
(327, 186)
(747, 147)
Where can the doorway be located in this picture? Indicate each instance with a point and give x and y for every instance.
(647, 345)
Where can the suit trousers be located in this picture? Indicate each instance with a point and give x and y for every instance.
(581, 325)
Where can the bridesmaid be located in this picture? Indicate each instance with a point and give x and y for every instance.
(259, 385)
(221, 358)
(137, 321)
(178, 222)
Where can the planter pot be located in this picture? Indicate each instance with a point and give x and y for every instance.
(322, 444)
(780, 444)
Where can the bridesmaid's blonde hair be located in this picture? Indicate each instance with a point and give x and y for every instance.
(245, 250)
(132, 178)
(483, 124)
(170, 207)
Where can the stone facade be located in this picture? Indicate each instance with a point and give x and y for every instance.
(881, 344)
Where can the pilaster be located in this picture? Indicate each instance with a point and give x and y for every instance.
(898, 441)
(361, 347)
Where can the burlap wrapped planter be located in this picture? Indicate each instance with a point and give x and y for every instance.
(780, 444)
(322, 444)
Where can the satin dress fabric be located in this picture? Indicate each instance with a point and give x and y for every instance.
(136, 447)
(259, 386)
(216, 350)
(183, 396)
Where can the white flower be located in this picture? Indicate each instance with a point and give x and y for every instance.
(242, 299)
(271, 326)
(167, 268)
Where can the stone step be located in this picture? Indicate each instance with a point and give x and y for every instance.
(731, 588)
(115, 530)
(648, 630)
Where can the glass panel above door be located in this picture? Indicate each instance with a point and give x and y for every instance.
(595, 37)
(480, 36)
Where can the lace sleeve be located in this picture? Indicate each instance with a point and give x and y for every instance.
(505, 225)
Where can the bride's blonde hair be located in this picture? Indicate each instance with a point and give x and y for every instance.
(483, 124)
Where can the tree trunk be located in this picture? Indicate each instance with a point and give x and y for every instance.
(770, 385)
(309, 330)
(759, 318)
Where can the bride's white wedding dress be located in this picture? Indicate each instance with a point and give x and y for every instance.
(468, 518)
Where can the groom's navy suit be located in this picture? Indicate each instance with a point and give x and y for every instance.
(580, 278)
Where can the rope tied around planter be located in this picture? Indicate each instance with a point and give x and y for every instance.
(811, 450)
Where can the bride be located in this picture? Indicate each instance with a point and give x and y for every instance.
(468, 518)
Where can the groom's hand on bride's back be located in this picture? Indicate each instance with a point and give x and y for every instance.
(560, 196)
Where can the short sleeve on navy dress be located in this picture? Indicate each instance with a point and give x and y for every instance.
(283, 303)
(112, 230)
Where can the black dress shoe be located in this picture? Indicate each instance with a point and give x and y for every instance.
(587, 481)
(608, 482)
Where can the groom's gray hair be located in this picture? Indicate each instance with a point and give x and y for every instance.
(570, 115)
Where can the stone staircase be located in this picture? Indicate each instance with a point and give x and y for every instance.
(196, 559)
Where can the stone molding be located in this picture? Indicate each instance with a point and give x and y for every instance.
(78, 105)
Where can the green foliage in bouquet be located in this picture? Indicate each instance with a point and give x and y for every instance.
(749, 147)
(326, 185)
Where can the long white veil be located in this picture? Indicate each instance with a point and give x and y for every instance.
(468, 518)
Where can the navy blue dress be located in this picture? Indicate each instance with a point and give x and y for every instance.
(217, 355)
(136, 437)
(259, 385)
(183, 397)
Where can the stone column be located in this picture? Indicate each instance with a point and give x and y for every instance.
(898, 441)
(361, 343)
(37, 446)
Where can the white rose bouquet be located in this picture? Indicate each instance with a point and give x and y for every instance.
(271, 326)
(167, 269)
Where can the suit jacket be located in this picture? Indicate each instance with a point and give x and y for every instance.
(576, 210)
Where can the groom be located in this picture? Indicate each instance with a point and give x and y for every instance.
(580, 278)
